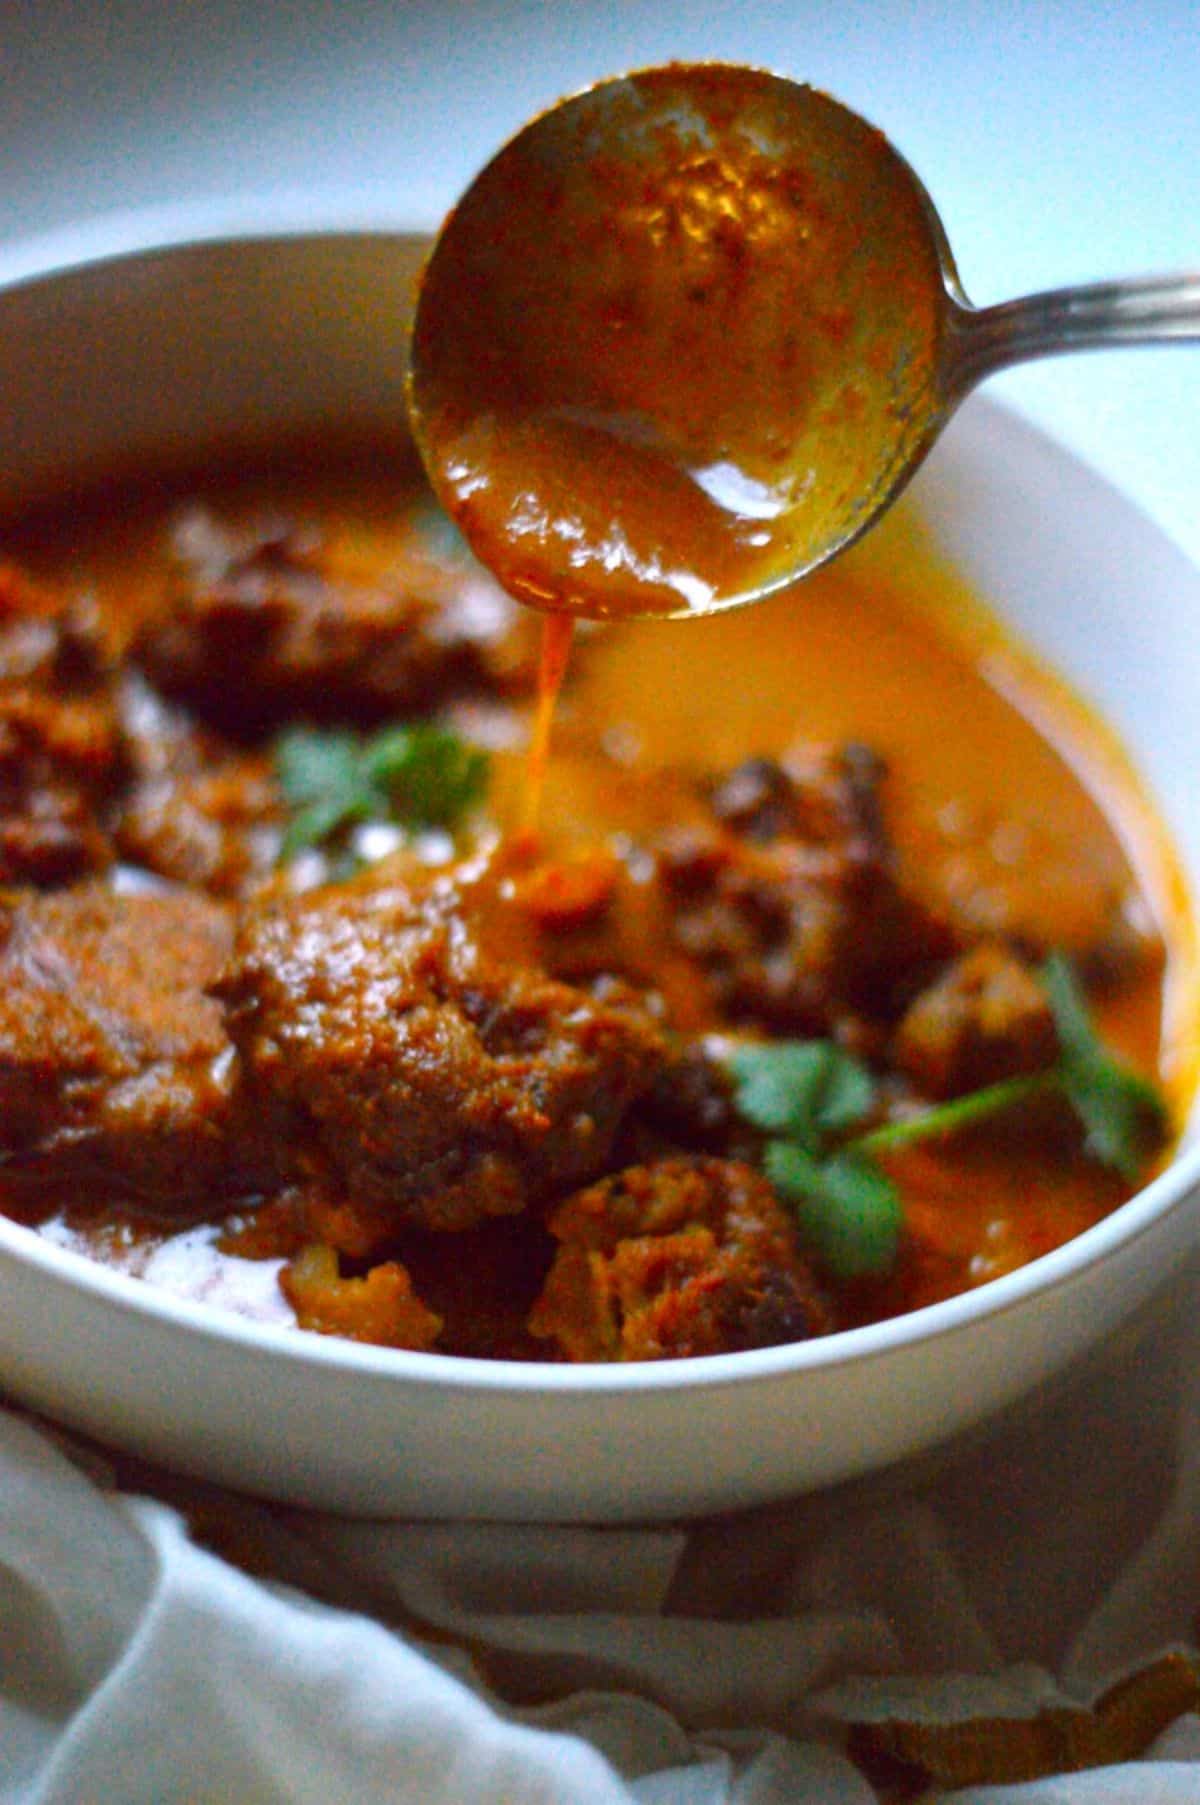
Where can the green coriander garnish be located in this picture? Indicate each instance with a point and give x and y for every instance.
(806, 1095)
(439, 537)
(419, 776)
(848, 1209)
(1123, 1114)
(804, 1090)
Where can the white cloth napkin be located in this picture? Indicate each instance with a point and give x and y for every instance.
(162, 1641)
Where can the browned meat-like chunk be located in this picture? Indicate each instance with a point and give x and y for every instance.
(380, 1307)
(984, 1018)
(115, 1069)
(681, 1257)
(690, 1103)
(198, 810)
(264, 625)
(61, 754)
(216, 829)
(789, 901)
(424, 1077)
(824, 796)
(58, 760)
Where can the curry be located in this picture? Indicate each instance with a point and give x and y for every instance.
(662, 358)
(832, 973)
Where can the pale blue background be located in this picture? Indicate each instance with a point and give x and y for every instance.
(1060, 140)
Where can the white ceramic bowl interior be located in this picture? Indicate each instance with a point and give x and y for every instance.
(145, 354)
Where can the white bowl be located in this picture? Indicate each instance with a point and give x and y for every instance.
(173, 348)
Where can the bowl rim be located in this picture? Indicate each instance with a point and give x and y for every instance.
(183, 228)
(176, 225)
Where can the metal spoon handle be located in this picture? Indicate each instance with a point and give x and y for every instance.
(1142, 311)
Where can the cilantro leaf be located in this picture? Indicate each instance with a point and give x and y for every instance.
(430, 776)
(806, 1095)
(848, 1209)
(314, 766)
(951, 1117)
(419, 776)
(1123, 1115)
(803, 1094)
(320, 776)
(805, 1090)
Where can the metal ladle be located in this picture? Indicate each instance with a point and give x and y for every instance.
(691, 331)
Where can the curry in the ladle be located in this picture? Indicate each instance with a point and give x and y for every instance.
(675, 340)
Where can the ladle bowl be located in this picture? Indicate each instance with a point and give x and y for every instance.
(690, 332)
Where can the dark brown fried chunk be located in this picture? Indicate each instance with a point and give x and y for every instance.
(421, 1076)
(45, 638)
(690, 1104)
(823, 795)
(115, 1069)
(680, 1257)
(788, 900)
(266, 624)
(61, 752)
(984, 1018)
(378, 1306)
(198, 810)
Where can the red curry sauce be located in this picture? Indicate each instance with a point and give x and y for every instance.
(1034, 835)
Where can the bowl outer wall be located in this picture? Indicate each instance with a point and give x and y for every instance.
(162, 351)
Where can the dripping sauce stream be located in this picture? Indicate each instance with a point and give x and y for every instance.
(557, 632)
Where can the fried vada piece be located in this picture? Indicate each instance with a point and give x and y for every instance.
(680, 1257)
(264, 624)
(985, 1017)
(198, 810)
(116, 1074)
(422, 1069)
(46, 638)
(788, 899)
(61, 749)
(380, 1307)
(691, 1101)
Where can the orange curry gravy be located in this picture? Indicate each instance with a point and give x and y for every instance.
(1007, 804)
